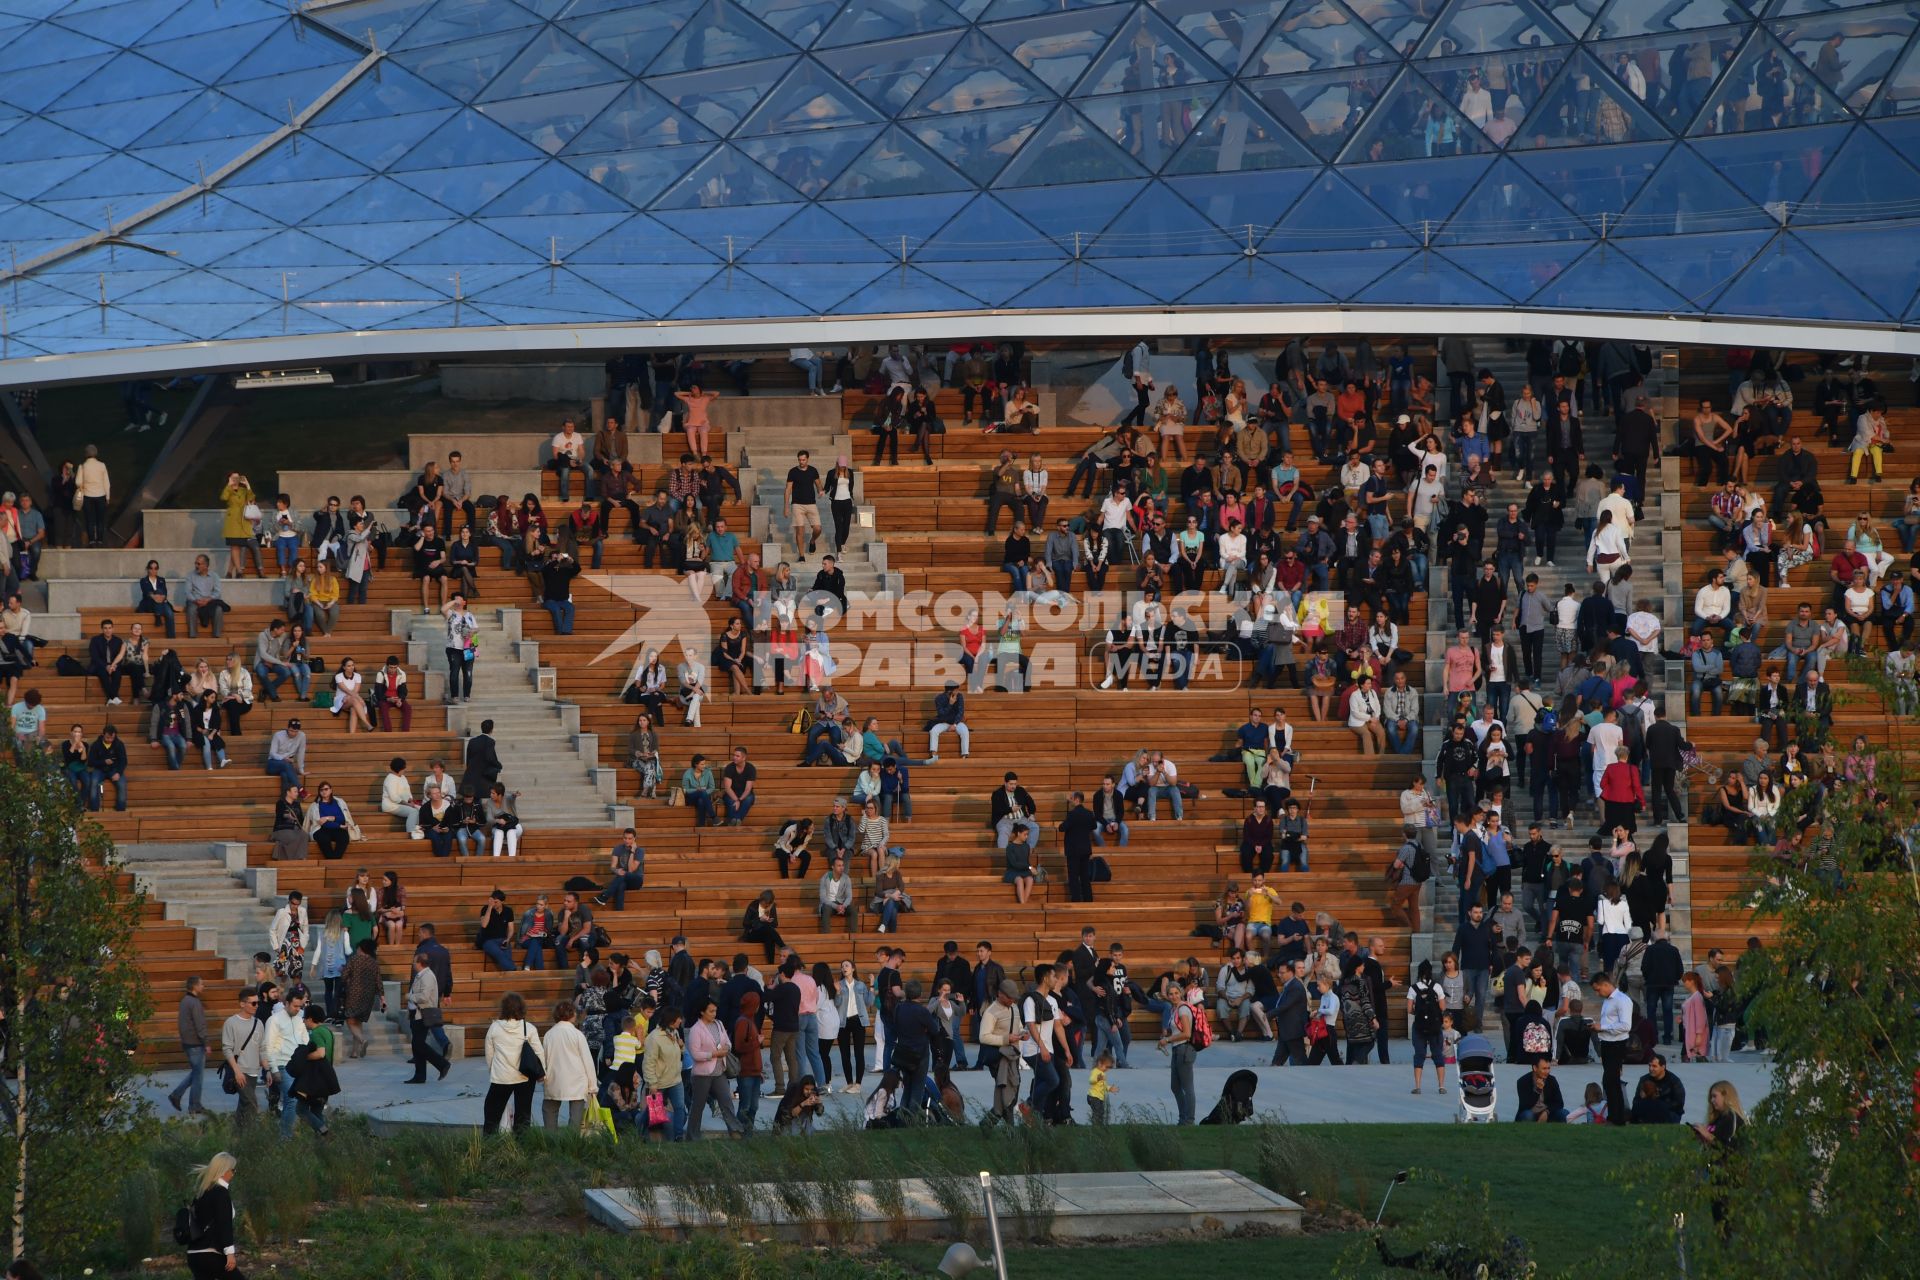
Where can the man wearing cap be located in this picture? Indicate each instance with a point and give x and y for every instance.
(949, 712)
(1315, 549)
(287, 754)
(1003, 1040)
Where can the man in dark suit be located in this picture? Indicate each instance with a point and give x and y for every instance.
(104, 655)
(1011, 802)
(953, 967)
(988, 974)
(483, 763)
(1664, 741)
(1813, 707)
(1793, 471)
(1290, 1018)
(1635, 436)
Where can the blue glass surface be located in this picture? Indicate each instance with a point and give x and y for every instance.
(1788, 279)
(1697, 266)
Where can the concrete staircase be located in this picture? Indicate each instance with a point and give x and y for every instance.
(210, 887)
(770, 451)
(546, 759)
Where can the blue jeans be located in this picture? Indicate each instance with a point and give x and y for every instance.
(536, 949)
(285, 552)
(1165, 1012)
(889, 919)
(1017, 573)
(1403, 742)
(1660, 1011)
(1499, 693)
(1100, 836)
(1521, 447)
(617, 888)
(284, 770)
(1290, 853)
(1181, 1073)
(197, 1067)
(1511, 563)
(1479, 991)
(737, 810)
(561, 611)
(1153, 802)
(702, 805)
(176, 748)
(1108, 1038)
(748, 1105)
(293, 1110)
(1046, 1078)
(96, 784)
(496, 951)
(677, 1101)
(810, 1058)
(272, 677)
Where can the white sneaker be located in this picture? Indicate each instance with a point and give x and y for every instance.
(1107, 683)
(416, 834)
(113, 702)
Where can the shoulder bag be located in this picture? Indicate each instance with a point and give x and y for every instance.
(530, 1065)
(228, 1084)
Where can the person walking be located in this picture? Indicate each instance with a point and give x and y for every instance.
(508, 1040)
(711, 1045)
(193, 1043)
(571, 1076)
(242, 1044)
(423, 1016)
(212, 1251)
(1179, 1047)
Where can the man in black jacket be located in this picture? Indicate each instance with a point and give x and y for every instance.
(107, 762)
(1456, 765)
(1634, 437)
(831, 580)
(1660, 970)
(1290, 1018)
(1664, 741)
(483, 763)
(1010, 803)
(988, 974)
(1673, 1094)
(953, 967)
(1794, 470)
(1076, 845)
(441, 962)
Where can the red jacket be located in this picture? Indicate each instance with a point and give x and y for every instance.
(1621, 784)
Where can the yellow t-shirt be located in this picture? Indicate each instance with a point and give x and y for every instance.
(1260, 905)
(626, 1048)
(1097, 1084)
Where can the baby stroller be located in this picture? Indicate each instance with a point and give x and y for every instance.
(1236, 1100)
(1691, 762)
(1479, 1090)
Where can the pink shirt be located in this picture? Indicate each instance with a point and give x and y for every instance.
(710, 1045)
(1459, 669)
(809, 993)
(697, 407)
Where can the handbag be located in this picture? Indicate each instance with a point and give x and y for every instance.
(228, 1084)
(676, 798)
(530, 1065)
(730, 1066)
(599, 1116)
(323, 700)
(1317, 1029)
(658, 1112)
(251, 512)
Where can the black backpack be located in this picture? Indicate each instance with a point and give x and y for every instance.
(1421, 867)
(1427, 1011)
(185, 1229)
(1126, 364)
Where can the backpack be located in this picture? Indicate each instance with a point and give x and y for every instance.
(1534, 1039)
(1099, 870)
(1126, 364)
(1548, 721)
(185, 1229)
(1421, 867)
(1427, 1010)
(1202, 1035)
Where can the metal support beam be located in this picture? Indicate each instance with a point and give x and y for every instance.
(213, 403)
(21, 452)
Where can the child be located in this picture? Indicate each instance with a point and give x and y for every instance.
(1566, 622)
(1098, 1089)
(1449, 1041)
(1595, 1112)
(626, 1045)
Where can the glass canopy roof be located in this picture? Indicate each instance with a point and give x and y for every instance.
(199, 170)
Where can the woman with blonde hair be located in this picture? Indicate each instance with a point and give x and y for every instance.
(212, 1251)
(1863, 538)
(1723, 1133)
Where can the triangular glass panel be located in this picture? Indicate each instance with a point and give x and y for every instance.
(379, 241)
(358, 316)
(1583, 107)
(465, 67)
(1318, 35)
(1427, 279)
(1593, 180)
(211, 212)
(291, 249)
(1491, 26)
(1343, 273)
(555, 237)
(1883, 262)
(1067, 149)
(379, 22)
(1850, 53)
(1253, 282)
(720, 98)
(818, 287)
(1508, 206)
(28, 222)
(1685, 195)
(208, 57)
(32, 178)
(987, 230)
(1901, 90)
(1158, 223)
(1229, 33)
(1637, 17)
(1077, 285)
(271, 94)
(378, 143)
(1236, 134)
(717, 229)
(860, 23)
(468, 138)
(1787, 8)
(267, 281)
(464, 243)
(293, 46)
(1398, 23)
(556, 289)
(376, 284)
(46, 44)
(1322, 108)
(809, 98)
(553, 62)
(977, 75)
(455, 315)
(1418, 192)
(1607, 280)
(890, 73)
(651, 289)
(113, 125)
(380, 200)
(208, 116)
(462, 19)
(199, 319)
(734, 293)
(121, 179)
(1776, 168)
(1518, 270)
(128, 22)
(726, 179)
(110, 325)
(1235, 201)
(468, 187)
(203, 248)
(1697, 266)
(1410, 120)
(1789, 280)
(811, 235)
(1058, 47)
(894, 164)
(995, 283)
(1332, 215)
(1866, 180)
(126, 78)
(1152, 126)
(1670, 74)
(33, 88)
(288, 202)
(555, 191)
(808, 162)
(468, 279)
(1767, 88)
(884, 219)
(638, 176)
(905, 290)
(1170, 277)
(979, 143)
(384, 91)
(631, 36)
(193, 19)
(721, 33)
(41, 139)
(639, 117)
(1070, 215)
(800, 21)
(1148, 53)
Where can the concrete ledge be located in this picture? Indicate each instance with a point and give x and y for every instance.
(553, 383)
(201, 528)
(71, 595)
(382, 488)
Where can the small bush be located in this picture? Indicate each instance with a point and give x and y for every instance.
(140, 1205)
(1154, 1146)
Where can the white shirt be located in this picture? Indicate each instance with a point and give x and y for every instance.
(1622, 512)
(504, 1039)
(285, 1033)
(396, 790)
(1039, 1013)
(1712, 602)
(1114, 512)
(1612, 917)
(1616, 1017)
(1036, 482)
(573, 446)
(1496, 663)
(1142, 368)
(1167, 767)
(1604, 739)
(796, 354)
(1233, 546)
(1644, 627)
(1567, 612)
(570, 1072)
(1476, 104)
(1363, 707)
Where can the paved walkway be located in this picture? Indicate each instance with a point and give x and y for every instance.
(1319, 1095)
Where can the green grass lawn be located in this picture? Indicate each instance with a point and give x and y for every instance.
(462, 1207)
